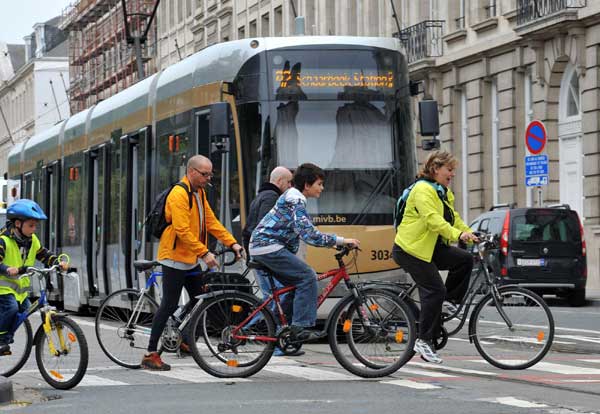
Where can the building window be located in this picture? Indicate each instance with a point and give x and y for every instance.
(495, 144)
(573, 96)
(264, 25)
(491, 9)
(464, 137)
(278, 21)
(242, 33)
(252, 29)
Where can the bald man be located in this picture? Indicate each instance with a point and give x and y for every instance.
(268, 193)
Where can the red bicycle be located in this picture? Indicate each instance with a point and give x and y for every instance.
(371, 331)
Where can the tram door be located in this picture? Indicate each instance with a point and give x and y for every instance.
(51, 227)
(134, 189)
(96, 220)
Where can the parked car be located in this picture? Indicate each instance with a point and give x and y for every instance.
(542, 249)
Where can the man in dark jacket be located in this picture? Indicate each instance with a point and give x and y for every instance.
(268, 193)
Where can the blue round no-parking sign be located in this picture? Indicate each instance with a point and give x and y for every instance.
(535, 137)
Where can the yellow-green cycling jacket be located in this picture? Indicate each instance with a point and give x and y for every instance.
(11, 255)
(423, 222)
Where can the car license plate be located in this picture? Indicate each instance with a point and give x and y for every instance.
(531, 262)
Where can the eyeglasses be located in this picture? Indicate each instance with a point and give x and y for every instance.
(204, 174)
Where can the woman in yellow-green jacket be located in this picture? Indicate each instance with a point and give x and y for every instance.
(422, 247)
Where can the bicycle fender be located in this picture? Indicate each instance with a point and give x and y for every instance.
(214, 293)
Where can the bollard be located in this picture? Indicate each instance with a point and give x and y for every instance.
(6, 390)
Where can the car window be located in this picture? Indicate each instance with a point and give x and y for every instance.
(496, 225)
(474, 225)
(484, 226)
(545, 225)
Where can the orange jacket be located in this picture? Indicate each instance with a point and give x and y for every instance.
(181, 241)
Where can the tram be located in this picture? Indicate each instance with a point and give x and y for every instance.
(342, 103)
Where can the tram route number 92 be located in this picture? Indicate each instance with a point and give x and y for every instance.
(381, 254)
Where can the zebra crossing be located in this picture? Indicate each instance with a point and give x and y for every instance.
(415, 374)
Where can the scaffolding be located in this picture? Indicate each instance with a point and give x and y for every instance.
(101, 62)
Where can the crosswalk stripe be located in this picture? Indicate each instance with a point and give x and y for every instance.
(424, 373)
(596, 361)
(451, 369)
(96, 381)
(594, 340)
(411, 384)
(195, 375)
(514, 402)
(555, 368)
(310, 374)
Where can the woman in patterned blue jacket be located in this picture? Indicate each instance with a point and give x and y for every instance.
(275, 241)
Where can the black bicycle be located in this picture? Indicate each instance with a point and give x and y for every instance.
(511, 327)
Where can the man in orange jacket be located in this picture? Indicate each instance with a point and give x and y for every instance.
(182, 245)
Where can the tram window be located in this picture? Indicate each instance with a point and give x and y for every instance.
(73, 195)
(114, 194)
(173, 152)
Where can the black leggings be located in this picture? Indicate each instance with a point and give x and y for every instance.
(173, 282)
(432, 290)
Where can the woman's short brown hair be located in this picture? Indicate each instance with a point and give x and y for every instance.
(435, 160)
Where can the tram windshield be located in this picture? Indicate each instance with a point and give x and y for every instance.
(338, 109)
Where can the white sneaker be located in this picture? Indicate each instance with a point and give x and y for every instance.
(449, 308)
(427, 352)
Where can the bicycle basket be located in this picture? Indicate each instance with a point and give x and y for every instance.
(226, 281)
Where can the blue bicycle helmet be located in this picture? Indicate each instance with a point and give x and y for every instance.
(24, 210)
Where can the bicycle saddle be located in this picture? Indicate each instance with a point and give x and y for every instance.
(141, 265)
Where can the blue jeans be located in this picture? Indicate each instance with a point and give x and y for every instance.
(8, 312)
(291, 271)
(286, 300)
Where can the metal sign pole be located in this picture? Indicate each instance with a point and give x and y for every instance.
(539, 196)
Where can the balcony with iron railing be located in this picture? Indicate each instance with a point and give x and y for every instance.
(423, 40)
(538, 11)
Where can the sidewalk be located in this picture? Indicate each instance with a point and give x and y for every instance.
(593, 296)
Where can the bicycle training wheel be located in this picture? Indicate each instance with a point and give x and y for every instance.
(375, 338)
(221, 353)
(523, 344)
(123, 326)
(20, 349)
(65, 366)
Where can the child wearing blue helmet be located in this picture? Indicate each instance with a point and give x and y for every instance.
(19, 248)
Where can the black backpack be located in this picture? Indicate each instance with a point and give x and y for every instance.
(401, 203)
(155, 222)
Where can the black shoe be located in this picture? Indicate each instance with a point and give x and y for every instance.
(5, 350)
(301, 334)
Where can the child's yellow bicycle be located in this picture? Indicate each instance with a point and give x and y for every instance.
(61, 351)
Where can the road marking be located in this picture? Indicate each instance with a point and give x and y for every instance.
(195, 375)
(425, 373)
(596, 361)
(551, 367)
(451, 369)
(411, 384)
(96, 381)
(310, 374)
(579, 338)
(514, 402)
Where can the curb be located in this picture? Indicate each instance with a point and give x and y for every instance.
(6, 390)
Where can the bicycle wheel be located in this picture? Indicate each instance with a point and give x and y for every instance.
(122, 334)
(64, 368)
(520, 346)
(375, 338)
(221, 354)
(20, 348)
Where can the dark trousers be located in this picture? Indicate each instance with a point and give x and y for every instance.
(174, 280)
(432, 290)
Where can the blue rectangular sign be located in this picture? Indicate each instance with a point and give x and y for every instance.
(536, 165)
(536, 180)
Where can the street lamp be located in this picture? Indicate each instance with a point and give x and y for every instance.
(137, 24)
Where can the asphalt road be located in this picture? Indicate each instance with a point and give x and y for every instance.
(567, 381)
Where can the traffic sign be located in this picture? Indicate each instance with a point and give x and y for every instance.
(535, 137)
(536, 170)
